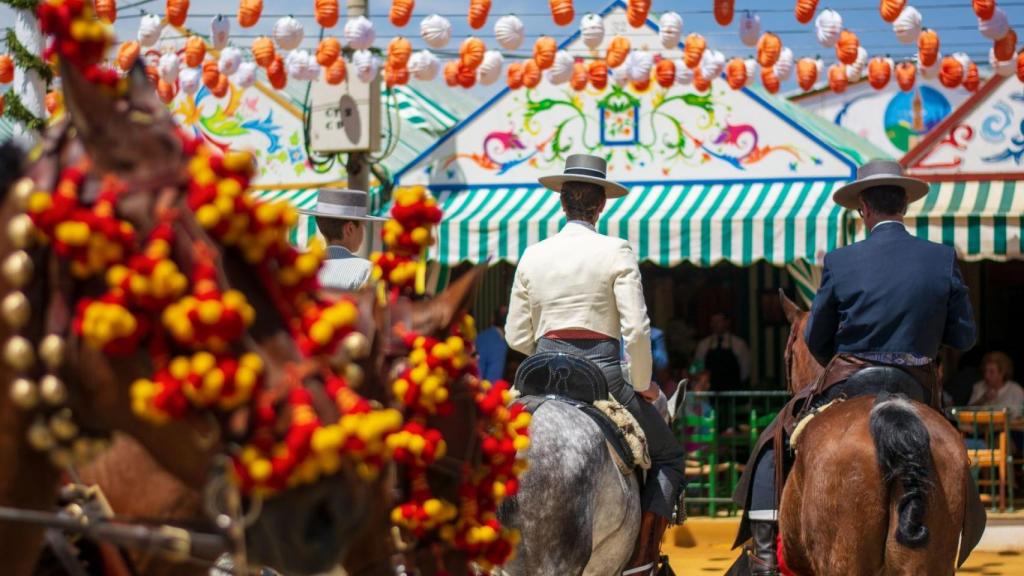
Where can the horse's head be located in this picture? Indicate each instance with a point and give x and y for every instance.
(801, 368)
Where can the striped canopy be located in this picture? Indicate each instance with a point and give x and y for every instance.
(701, 223)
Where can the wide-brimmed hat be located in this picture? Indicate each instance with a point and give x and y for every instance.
(879, 173)
(585, 168)
(341, 204)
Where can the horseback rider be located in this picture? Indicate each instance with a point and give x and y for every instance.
(891, 300)
(577, 293)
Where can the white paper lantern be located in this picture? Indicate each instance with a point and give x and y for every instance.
(827, 27)
(670, 29)
(423, 65)
(168, 67)
(359, 33)
(784, 65)
(561, 70)
(313, 69)
(751, 65)
(862, 58)
(150, 28)
(996, 27)
(964, 60)
(220, 31)
(490, 69)
(509, 32)
(711, 64)
(907, 25)
(592, 30)
(684, 76)
(750, 28)
(619, 75)
(189, 80)
(1003, 68)
(366, 64)
(853, 73)
(288, 33)
(436, 31)
(245, 76)
(638, 65)
(296, 64)
(230, 60)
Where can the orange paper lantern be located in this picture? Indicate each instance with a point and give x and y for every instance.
(837, 80)
(326, 12)
(984, 8)
(700, 83)
(514, 76)
(769, 80)
(466, 76)
(263, 51)
(1020, 66)
(665, 73)
(106, 10)
(211, 73)
(399, 51)
(906, 75)
(127, 54)
(804, 10)
(52, 101)
(846, 47)
(890, 9)
(195, 51)
(176, 12)
(879, 72)
(6, 69)
(1005, 47)
(642, 85)
(471, 53)
(276, 73)
(618, 49)
(928, 47)
(597, 73)
(451, 72)
(769, 46)
(951, 72)
(562, 12)
(249, 13)
(637, 11)
(806, 73)
(152, 75)
(477, 15)
(693, 49)
(736, 73)
(531, 74)
(401, 11)
(329, 49)
(973, 79)
(724, 12)
(336, 72)
(165, 90)
(220, 89)
(544, 52)
(396, 75)
(578, 81)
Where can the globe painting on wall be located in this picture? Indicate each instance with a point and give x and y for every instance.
(911, 115)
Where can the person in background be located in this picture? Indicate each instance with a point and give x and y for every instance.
(341, 216)
(697, 404)
(725, 355)
(492, 349)
(997, 389)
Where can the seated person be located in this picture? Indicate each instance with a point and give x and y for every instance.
(997, 390)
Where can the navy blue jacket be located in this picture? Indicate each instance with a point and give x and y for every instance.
(891, 294)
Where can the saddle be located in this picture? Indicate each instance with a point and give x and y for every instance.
(578, 382)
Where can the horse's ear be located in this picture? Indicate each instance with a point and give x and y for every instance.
(789, 307)
(436, 315)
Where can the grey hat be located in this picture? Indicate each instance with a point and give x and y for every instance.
(341, 204)
(585, 168)
(879, 173)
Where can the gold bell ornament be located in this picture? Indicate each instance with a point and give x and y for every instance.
(51, 350)
(52, 390)
(17, 269)
(18, 353)
(24, 393)
(15, 309)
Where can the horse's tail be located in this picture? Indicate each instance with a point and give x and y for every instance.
(904, 453)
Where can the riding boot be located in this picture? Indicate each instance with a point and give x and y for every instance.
(762, 555)
(648, 546)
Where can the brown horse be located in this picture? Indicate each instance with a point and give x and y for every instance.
(853, 504)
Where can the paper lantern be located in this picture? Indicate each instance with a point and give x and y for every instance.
(723, 12)
(336, 72)
(804, 10)
(618, 49)
(770, 81)
(670, 29)
(195, 51)
(359, 33)
(700, 83)
(152, 75)
(711, 64)
(665, 73)
(783, 67)
(509, 32)
(399, 51)
(176, 11)
(995, 27)
(471, 52)
(490, 68)
(245, 77)
(637, 11)
(1003, 68)
(693, 49)
(906, 74)
(827, 27)
(928, 48)
(597, 74)
(229, 61)
(753, 70)
(436, 31)
(562, 11)
(249, 13)
(451, 73)
(544, 51)
(972, 80)
(326, 12)
(7, 67)
(189, 80)
(879, 72)
(366, 65)
(769, 46)
(846, 47)
(531, 74)
(288, 33)
(150, 28)
(401, 12)
(984, 8)
(837, 78)
(423, 65)
(929, 72)
(477, 15)
(329, 50)
(395, 75)
(263, 51)
(560, 70)
(165, 91)
(514, 76)
(853, 73)
(890, 9)
(210, 74)
(592, 30)
(642, 85)
(907, 26)
(220, 31)
(806, 73)
(638, 65)
(578, 82)
(220, 89)
(736, 73)
(1007, 46)
(951, 72)
(1020, 66)
(127, 54)
(750, 28)
(684, 75)
(106, 10)
(167, 68)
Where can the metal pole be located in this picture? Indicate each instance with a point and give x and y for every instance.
(27, 83)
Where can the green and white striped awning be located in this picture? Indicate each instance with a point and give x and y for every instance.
(983, 220)
(702, 223)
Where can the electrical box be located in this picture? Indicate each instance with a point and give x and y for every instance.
(345, 117)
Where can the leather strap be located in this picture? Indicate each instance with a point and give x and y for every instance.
(576, 334)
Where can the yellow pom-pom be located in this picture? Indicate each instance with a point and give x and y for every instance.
(396, 516)
(241, 161)
(39, 202)
(208, 216)
(421, 236)
(252, 362)
(210, 311)
(498, 490)
(116, 275)
(260, 469)
(433, 507)
(179, 368)
(400, 388)
(203, 362)
(521, 443)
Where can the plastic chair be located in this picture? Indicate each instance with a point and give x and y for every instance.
(989, 428)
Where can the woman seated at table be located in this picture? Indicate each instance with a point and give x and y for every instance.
(997, 389)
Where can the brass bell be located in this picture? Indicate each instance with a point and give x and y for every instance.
(18, 353)
(52, 390)
(20, 230)
(16, 310)
(24, 393)
(52, 350)
(40, 437)
(60, 457)
(354, 375)
(63, 426)
(17, 269)
(22, 190)
(356, 346)
(82, 450)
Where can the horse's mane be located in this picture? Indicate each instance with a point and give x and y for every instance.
(12, 164)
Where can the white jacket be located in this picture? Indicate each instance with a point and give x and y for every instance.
(581, 279)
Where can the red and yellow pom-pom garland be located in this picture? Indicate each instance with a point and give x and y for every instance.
(407, 236)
